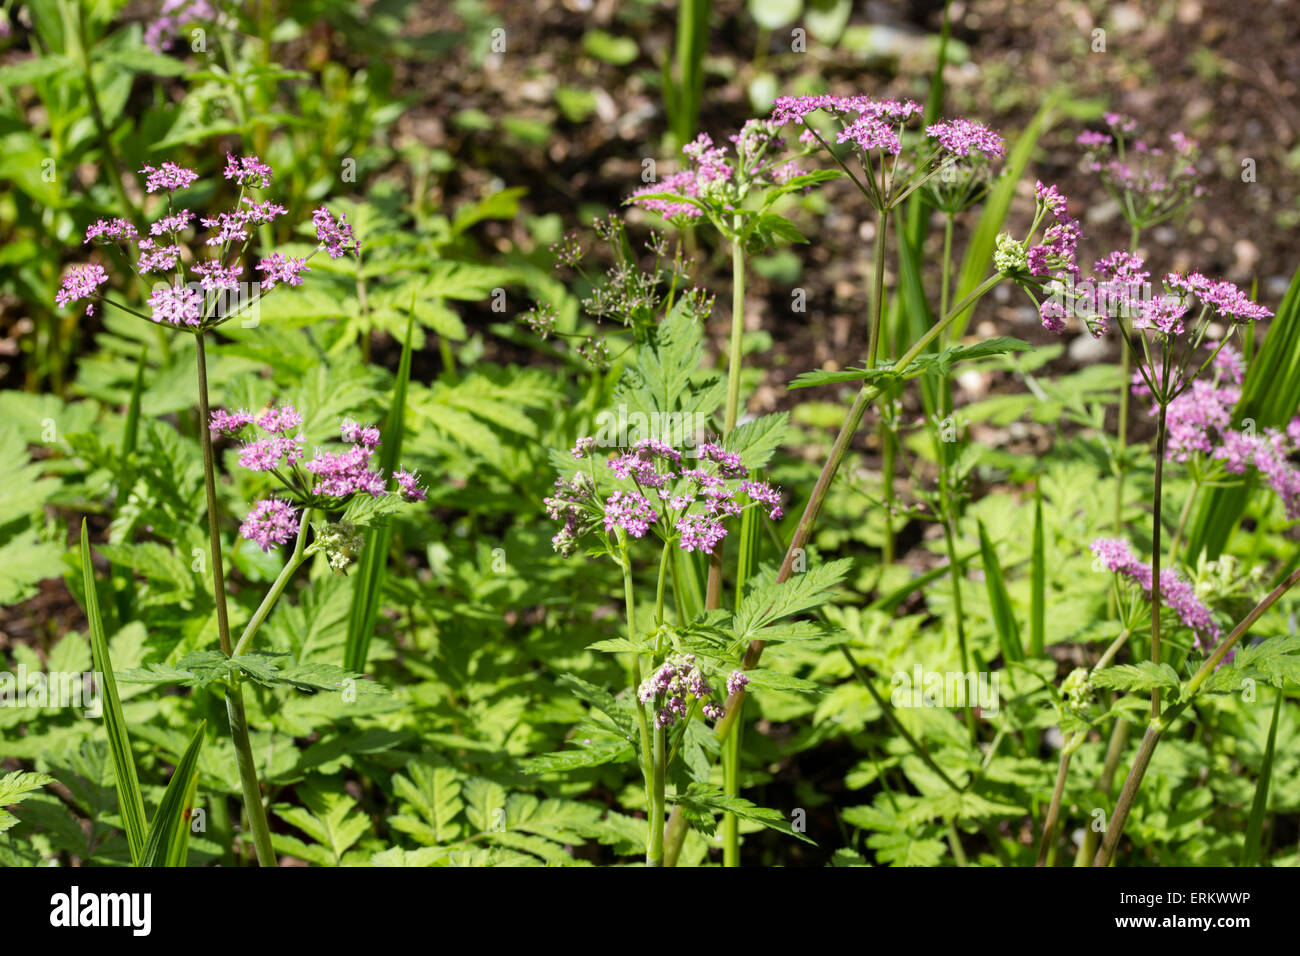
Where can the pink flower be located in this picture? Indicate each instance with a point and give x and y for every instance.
(112, 230)
(81, 282)
(272, 522)
(1050, 198)
(226, 227)
(700, 532)
(764, 494)
(335, 235)
(268, 454)
(174, 223)
(1225, 298)
(341, 474)
(260, 213)
(156, 258)
(354, 432)
(176, 305)
(1179, 595)
(168, 176)
(279, 419)
(960, 136)
(248, 171)
(281, 268)
(409, 484)
(223, 422)
(630, 511)
(217, 276)
(871, 132)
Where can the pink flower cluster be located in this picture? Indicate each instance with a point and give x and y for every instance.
(673, 682)
(1117, 556)
(163, 29)
(334, 235)
(1156, 180)
(81, 282)
(962, 136)
(190, 301)
(248, 171)
(876, 124)
(1223, 297)
(337, 475)
(1120, 287)
(168, 176)
(713, 175)
(271, 523)
(688, 504)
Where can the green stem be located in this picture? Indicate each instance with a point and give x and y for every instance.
(947, 264)
(277, 589)
(866, 395)
(647, 770)
(655, 853)
(713, 594)
(234, 696)
(803, 531)
(1054, 810)
(1182, 524)
(1156, 527)
(734, 359)
(659, 590)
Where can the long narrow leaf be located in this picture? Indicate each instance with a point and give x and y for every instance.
(169, 832)
(1038, 584)
(1252, 850)
(369, 579)
(129, 798)
(1004, 621)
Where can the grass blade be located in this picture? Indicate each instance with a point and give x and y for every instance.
(1000, 602)
(129, 798)
(1252, 850)
(1038, 584)
(169, 834)
(369, 579)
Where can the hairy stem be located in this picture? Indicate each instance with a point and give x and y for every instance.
(1054, 809)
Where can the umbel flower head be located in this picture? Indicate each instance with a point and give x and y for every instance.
(656, 487)
(715, 180)
(877, 131)
(1201, 433)
(1149, 181)
(1174, 323)
(328, 481)
(677, 680)
(200, 266)
(1116, 555)
(1047, 262)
